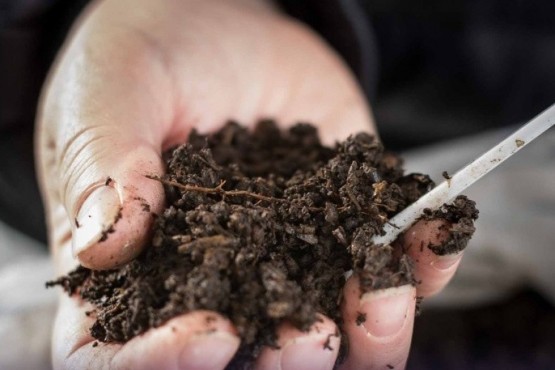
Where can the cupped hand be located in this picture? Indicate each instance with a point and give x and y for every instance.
(133, 79)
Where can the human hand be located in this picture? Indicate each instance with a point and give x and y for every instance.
(133, 80)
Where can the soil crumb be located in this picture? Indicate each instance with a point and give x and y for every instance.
(361, 318)
(461, 214)
(262, 226)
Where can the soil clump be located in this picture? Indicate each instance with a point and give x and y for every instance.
(262, 226)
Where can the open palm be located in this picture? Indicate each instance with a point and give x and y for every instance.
(133, 79)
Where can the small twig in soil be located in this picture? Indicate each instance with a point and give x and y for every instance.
(353, 199)
(217, 190)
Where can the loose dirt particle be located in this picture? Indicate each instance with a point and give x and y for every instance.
(262, 227)
(111, 228)
(327, 343)
(361, 318)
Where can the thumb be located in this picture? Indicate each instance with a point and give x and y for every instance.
(107, 201)
(100, 129)
(112, 206)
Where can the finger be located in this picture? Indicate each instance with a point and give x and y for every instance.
(198, 340)
(315, 349)
(71, 338)
(378, 326)
(432, 272)
(101, 126)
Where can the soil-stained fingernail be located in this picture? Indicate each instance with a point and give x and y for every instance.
(386, 310)
(208, 351)
(96, 218)
(447, 261)
(310, 353)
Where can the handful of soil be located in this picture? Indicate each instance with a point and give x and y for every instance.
(262, 227)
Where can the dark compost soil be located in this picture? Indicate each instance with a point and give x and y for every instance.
(262, 227)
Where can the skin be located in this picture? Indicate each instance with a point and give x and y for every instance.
(134, 77)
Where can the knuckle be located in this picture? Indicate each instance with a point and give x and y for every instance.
(78, 158)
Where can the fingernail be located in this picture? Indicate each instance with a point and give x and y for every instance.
(96, 218)
(208, 351)
(310, 353)
(445, 262)
(386, 310)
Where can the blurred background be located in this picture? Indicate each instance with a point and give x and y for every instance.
(446, 80)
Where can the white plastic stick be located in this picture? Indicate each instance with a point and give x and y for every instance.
(449, 189)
